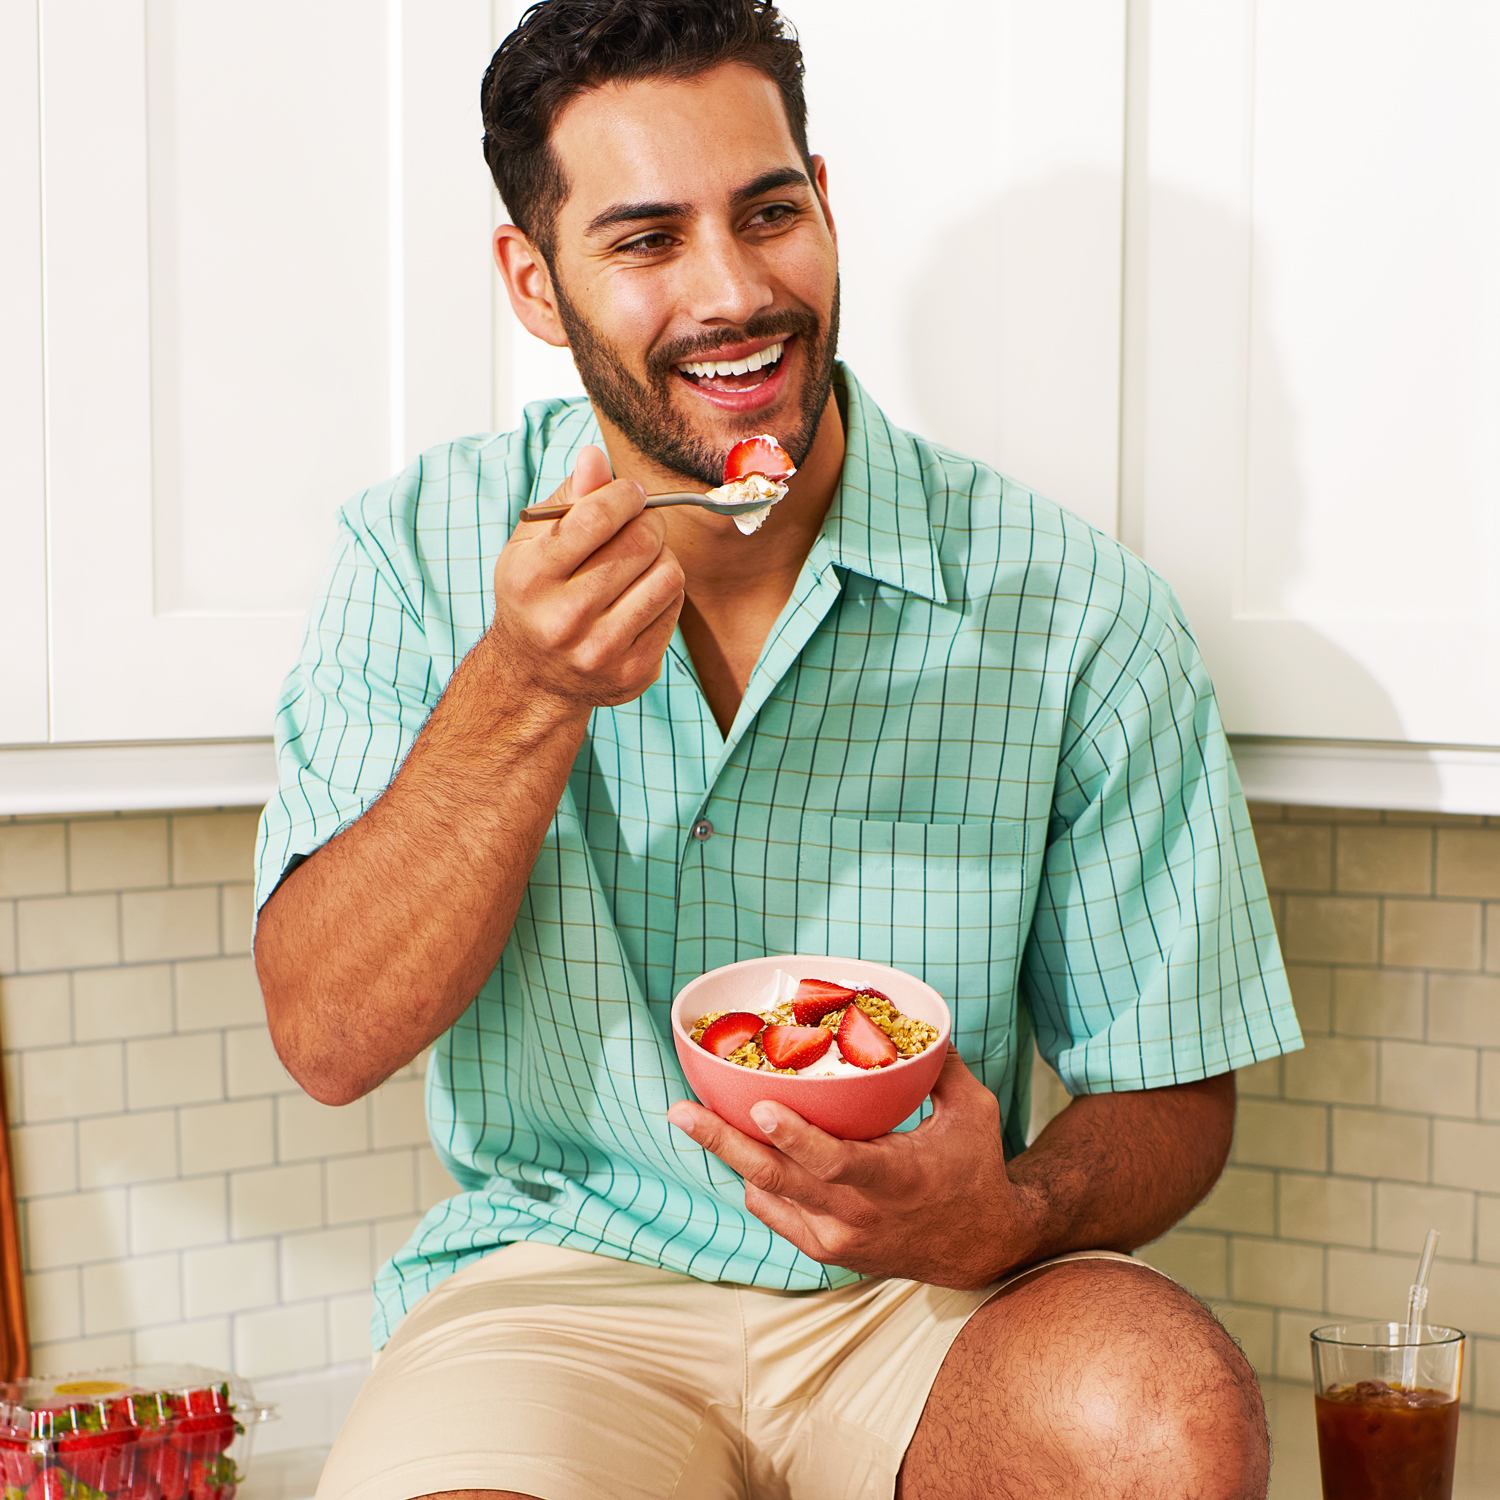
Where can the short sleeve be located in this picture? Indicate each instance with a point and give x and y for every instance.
(361, 690)
(1152, 958)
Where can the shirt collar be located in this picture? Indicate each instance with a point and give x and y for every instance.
(878, 524)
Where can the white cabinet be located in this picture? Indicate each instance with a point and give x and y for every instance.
(1314, 415)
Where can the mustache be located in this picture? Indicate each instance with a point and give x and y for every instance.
(788, 323)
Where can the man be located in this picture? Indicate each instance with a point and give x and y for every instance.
(922, 716)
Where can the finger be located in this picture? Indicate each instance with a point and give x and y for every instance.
(824, 1156)
(760, 1165)
(956, 1084)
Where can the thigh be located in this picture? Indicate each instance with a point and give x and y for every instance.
(1095, 1378)
(549, 1373)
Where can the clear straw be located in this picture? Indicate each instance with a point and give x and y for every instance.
(1416, 1303)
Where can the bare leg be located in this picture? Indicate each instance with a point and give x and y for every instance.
(1097, 1379)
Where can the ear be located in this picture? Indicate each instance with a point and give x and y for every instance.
(820, 182)
(528, 284)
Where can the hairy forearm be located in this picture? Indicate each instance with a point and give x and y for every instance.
(377, 943)
(1114, 1171)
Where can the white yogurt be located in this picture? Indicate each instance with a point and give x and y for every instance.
(741, 492)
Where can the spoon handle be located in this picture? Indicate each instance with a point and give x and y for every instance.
(653, 502)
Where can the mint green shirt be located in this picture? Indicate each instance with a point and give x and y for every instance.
(979, 745)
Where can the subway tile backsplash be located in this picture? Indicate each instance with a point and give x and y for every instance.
(181, 1198)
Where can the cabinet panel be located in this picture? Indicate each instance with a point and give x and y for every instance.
(23, 503)
(1321, 268)
(233, 346)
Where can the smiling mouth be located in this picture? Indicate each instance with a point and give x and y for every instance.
(734, 374)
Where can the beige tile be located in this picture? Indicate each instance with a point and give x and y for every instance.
(306, 1129)
(398, 1113)
(1489, 1085)
(44, 1158)
(120, 1149)
(434, 1185)
(229, 1278)
(237, 903)
(1375, 1143)
(1431, 934)
(1276, 1273)
(63, 1082)
(33, 859)
(1435, 819)
(205, 1342)
(67, 932)
(80, 1354)
(1244, 1198)
(9, 961)
(1463, 1008)
(1265, 812)
(1460, 1289)
(75, 1230)
(208, 848)
(1281, 1135)
(1253, 1329)
(1492, 937)
(251, 1065)
(170, 924)
(1486, 1366)
(1312, 994)
(1465, 1155)
(126, 1294)
(1487, 1236)
(35, 1011)
(54, 1305)
(280, 1341)
(1429, 1079)
(1332, 1070)
(1332, 929)
(118, 1003)
(1377, 1002)
(391, 1235)
(178, 1215)
(174, 1070)
(379, 1186)
(1296, 814)
(117, 854)
(1296, 856)
(325, 1262)
(1371, 1284)
(349, 1327)
(1197, 1261)
(1384, 861)
(275, 1200)
(224, 1137)
(216, 992)
(15, 1103)
(1260, 1080)
(1468, 862)
(1404, 1213)
(1294, 1346)
(1330, 1210)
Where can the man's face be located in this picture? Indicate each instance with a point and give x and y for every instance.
(693, 239)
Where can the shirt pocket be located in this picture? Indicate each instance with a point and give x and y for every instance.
(947, 902)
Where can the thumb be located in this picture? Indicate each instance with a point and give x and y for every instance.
(591, 472)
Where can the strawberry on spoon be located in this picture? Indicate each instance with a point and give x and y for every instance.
(757, 468)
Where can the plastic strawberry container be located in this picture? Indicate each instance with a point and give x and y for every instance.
(146, 1432)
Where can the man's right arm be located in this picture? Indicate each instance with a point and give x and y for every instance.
(380, 940)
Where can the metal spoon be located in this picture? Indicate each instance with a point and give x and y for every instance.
(655, 502)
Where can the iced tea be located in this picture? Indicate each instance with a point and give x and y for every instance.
(1386, 1442)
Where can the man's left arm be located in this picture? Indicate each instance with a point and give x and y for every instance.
(940, 1204)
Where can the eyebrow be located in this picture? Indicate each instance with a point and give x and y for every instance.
(632, 213)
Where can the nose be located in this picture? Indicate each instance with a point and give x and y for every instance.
(726, 280)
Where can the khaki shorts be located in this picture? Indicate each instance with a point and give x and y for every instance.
(575, 1377)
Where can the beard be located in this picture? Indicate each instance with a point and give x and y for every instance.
(644, 412)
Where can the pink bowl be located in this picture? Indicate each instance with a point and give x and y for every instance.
(852, 1106)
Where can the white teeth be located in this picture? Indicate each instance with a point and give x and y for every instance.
(705, 369)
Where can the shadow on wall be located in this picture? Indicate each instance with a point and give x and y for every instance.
(998, 279)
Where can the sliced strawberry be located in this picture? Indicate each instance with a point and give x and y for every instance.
(816, 997)
(795, 1046)
(758, 455)
(730, 1033)
(860, 993)
(863, 1043)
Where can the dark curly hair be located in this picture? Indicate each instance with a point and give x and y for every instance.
(563, 47)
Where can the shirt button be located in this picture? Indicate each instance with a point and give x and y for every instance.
(703, 830)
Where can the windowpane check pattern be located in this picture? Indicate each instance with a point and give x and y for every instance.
(979, 744)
